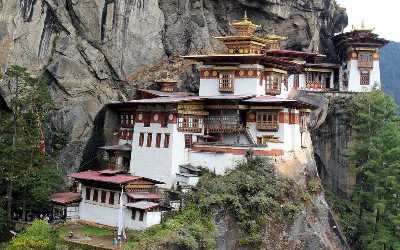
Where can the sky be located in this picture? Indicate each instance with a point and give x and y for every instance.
(383, 15)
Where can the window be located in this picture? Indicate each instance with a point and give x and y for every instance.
(164, 120)
(296, 81)
(226, 81)
(166, 141)
(190, 123)
(365, 60)
(95, 195)
(273, 83)
(88, 190)
(146, 119)
(111, 198)
(141, 139)
(267, 121)
(188, 141)
(133, 214)
(141, 215)
(103, 196)
(127, 120)
(149, 139)
(364, 78)
(158, 140)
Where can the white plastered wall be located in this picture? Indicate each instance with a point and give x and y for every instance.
(106, 214)
(355, 74)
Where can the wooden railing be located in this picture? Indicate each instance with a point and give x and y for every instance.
(270, 126)
(365, 64)
(190, 129)
(223, 124)
(226, 86)
(271, 91)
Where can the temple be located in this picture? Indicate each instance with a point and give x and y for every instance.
(358, 52)
(246, 105)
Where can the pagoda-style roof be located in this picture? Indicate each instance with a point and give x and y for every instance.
(358, 38)
(274, 100)
(109, 176)
(268, 61)
(293, 54)
(244, 26)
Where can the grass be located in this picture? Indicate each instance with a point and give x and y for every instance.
(85, 229)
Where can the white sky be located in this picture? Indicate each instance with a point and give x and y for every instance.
(383, 15)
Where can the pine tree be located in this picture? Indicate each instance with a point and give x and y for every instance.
(375, 155)
(28, 174)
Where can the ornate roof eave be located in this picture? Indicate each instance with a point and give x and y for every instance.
(241, 38)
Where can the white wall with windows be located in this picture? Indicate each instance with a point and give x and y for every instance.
(105, 213)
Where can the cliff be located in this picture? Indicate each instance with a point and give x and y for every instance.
(96, 51)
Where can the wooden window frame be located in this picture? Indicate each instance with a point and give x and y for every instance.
(188, 140)
(365, 60)
(111, 198)
(141, 139)
(103, 196)
(273, 82)
(146, 119)
(87, 194)
(95, 195)
(164, 120)
(166, 140)
(365, 77)
(190, 123)
(141, 215)
(149, 140)
(158, 140)
(268, 121)
(226, 81)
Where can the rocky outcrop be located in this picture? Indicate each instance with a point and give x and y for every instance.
(331, 135)
(97, 51)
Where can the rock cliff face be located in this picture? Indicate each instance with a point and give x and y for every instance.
(96, 51)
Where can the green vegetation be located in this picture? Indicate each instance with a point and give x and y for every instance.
(189, 229)
(27, 176)
(38, 236)
(371, 218)
(87, 230)
(250, 194)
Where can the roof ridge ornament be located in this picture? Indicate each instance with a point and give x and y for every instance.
(362, 27)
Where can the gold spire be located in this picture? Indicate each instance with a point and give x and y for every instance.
(362, 27)
(245, 26)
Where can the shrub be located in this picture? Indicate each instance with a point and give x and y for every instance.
(38, 236)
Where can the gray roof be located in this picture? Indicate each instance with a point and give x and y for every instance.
(125, 147)
(142, 205)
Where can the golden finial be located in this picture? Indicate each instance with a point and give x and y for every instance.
(362, 27)
(245, 15)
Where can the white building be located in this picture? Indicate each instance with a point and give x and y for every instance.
(242, 105)
(98, 199)
(358, 52)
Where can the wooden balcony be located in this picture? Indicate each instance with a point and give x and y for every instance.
(223, 124)
(270, 91)
(190, 129)
(365, 64)
(226, 87)
(268, 126)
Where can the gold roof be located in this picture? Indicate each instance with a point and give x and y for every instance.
(244, 26)
(244, 22)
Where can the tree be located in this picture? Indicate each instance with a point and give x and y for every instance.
(38, 236)
(27, 172)
(375, 155)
